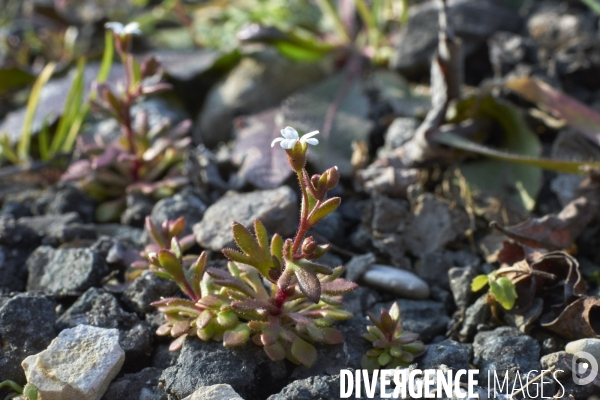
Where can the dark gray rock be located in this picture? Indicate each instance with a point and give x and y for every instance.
(67, 199)
(361, 300)
(460, 279)
(448, 352)
(314, 387)
(26, 328)
(425, 317)
(124, 233)
(185, 204)
(62, 271)
(473, 21)
(142, 385)
(16, 244)
(400, 131)
(277, 209)
(557, 360)
(502, 350)
(477, 317)
(146, 289)
(101, 309)
(138, 207)
(508, 50)
(332, 358)
(247, 369)
(15, 234)
(13, 271)
(44, 224)
(433, 268)
(358, 265)
(258, 82)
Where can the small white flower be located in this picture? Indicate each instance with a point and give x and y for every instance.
(132, 28)
(290, 138)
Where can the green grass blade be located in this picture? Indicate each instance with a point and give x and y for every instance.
(107, 57)
(34, 98)
(103, 73)
(458, 142)
(70, 109)
(593, 4)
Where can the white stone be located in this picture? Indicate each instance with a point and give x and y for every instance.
(78, 365)
(589, 345)
(398, 281)
(214, 392)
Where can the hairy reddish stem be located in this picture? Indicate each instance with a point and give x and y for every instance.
(280, 298)
(304, 225)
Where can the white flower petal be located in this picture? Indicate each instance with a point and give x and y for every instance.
(288, 143)
(132, 28)
(116, 27)
(276, 140)
(312, 141)
(289, 133)
(310, 134)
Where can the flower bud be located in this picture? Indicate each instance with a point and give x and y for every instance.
(297, 156)
(333, 177)
(309, 245)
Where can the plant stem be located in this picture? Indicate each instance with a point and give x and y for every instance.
(303, 226)
(328, 9)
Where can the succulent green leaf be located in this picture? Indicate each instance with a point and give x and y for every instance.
(154, 233)
(275, 351)
(406, 337)
(384, 358)
(236, 256)
(504, 292)
(171, 264)
(164, 329)
(324, 210)
(373, 330)
(315, 333)
(370, 337)
(414, 347)
(277, 246)
(30, 391)
(304, 352)
(396, 351)
(479, 282)
(309, 284)
(261, 234)
(236, 336)
(227, 319)
(338, 314)
(204, 319)
(244, 239)
(206, 333)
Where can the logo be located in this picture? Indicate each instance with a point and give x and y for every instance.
(584, 368)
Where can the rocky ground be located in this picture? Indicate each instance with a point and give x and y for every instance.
(68, 311)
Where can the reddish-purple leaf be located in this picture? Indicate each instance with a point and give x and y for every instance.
(236, 336)
(275, 351)
(309, 284)
(339, 286)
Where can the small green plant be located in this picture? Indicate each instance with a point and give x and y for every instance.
(502, 289)
(75, 110)
(27, 392)
(300, 300)
(145, 159)
(392, 345)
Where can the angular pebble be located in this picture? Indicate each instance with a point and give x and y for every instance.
(26, 328)
(397, 281)
(78, 365)
(61, 271)
(277, 209)
(214, 392)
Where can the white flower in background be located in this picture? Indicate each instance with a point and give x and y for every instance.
(132, 28)
(290, 138)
